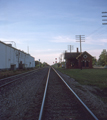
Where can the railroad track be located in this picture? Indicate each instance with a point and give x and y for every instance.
(18, 98)
(60, 102)
(11, 79)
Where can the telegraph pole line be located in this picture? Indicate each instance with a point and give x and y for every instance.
(105, 16)
(80, 38)
(70, 47)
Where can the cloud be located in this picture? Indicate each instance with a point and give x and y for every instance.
(46, 51)
(62, 39)
(49, 58)
(95, 41)
(95, 52)
(47, 55)
(103, 40)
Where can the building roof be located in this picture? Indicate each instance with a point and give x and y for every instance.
(82, 54)
(75, 55)
(9, 45)
(72, 55)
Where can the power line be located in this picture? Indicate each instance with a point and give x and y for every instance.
(101, 25)
(95, 31)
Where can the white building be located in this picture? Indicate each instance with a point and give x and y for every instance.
(11, 57)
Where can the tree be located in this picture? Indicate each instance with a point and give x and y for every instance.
(45, 64)
(103, 58)
(94, 61)
(37, 64)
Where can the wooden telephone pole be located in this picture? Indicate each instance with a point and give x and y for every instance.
(105, 16)
(70, 47)
(80, 38)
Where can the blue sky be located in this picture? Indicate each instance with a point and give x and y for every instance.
(49, 26)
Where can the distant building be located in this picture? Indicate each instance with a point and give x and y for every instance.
(12, 58)
(78, 60)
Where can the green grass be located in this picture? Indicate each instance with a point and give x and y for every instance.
(93, 77)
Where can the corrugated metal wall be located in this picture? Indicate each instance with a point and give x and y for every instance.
(11, 56)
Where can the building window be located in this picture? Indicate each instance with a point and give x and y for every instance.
(85, 56)
(87, 64)
(83, 63)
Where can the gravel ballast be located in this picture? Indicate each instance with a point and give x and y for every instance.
(16, 98)
(21, 100)
(86, 94)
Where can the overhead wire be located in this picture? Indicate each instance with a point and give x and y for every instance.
(95, 30)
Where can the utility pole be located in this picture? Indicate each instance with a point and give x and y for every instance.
(80, 38)
(60, 58)
(70, 47)
(105, 16)
(39, 63)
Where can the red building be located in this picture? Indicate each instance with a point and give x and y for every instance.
(78, 60)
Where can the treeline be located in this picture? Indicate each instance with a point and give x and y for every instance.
(102, 59)
(39, 64)
(59, 65)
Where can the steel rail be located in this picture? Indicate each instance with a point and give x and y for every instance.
(16, 79)
(44, 96)
(16, 75)
(77, 96)
(20, 74)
